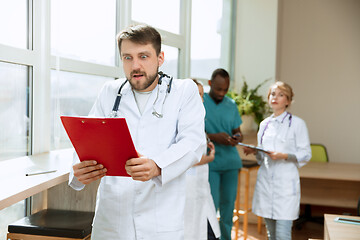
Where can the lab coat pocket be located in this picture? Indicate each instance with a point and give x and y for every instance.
(107, 203)
(169, 209)
(110, 207)
(291, 187)
(286, 143)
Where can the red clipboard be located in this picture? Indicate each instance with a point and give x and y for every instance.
(106, 140)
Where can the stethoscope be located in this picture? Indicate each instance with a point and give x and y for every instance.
(267, 124)
(114, 112)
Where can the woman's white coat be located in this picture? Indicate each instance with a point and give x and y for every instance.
(277, 190)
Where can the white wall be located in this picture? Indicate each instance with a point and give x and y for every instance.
(319, 56)
(255, 53)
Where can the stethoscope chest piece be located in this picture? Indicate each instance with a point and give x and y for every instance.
(156, 114)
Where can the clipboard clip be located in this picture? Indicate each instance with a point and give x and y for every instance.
(113, 114)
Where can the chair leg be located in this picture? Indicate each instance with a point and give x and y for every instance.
(259, 224)
(246, 206)
(246, 203)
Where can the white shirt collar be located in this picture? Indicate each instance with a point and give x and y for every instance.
(280, 117)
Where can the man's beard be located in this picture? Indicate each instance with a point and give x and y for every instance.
(142, 86)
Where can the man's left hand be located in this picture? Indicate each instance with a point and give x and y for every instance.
(142, 168)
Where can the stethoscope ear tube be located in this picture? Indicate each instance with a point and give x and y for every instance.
(161, 74)
(117, 100)
(267, 124)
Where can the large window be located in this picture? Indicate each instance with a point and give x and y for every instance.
(171, 63)
(14, 110)
(210, 37)
(14, 23)
(163, 14)
(84, 30)
(14, 94)
(168, 23)
(73, 94)
(83, 45)
(82, 55)
(55, 56)
(15, 123)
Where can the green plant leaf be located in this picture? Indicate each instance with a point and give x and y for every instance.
(249, 102)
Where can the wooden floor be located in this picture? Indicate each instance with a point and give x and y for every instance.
(309, 230)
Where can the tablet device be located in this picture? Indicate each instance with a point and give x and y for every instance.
(253, 147)
(347, 220)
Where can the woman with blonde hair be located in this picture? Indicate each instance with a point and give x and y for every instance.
(286, 140)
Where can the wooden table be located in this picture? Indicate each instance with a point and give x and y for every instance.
(16, 186)
(330, 184)
(340, 231)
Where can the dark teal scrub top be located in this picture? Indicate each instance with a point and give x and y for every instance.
(222, 117)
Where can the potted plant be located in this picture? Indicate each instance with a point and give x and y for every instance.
(249, 102)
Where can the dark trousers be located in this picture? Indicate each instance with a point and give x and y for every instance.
(223, 185)
(211, 235)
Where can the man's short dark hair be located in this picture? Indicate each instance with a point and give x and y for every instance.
(220, 71)
(141, 34)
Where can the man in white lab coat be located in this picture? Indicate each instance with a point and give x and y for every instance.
(166, 120)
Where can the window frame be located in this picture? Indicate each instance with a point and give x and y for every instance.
(40, 62)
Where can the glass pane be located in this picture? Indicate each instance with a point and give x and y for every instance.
(163, 14)
(9, 215)
(14, 23)
(87, 35)
(72, 94)
(205, 38)
(14, 95)
(171, 56)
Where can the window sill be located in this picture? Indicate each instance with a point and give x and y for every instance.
(16, 186)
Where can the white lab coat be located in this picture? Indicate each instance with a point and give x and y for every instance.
(199, 207)
(128, 209)
(277, 190)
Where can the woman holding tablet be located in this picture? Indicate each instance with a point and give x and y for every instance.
(286, 140)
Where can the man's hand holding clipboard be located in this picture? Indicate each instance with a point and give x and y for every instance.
(89, 171)
(142, 168)
(105, 147)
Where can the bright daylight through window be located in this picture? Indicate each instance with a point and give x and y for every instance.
(65, 53)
